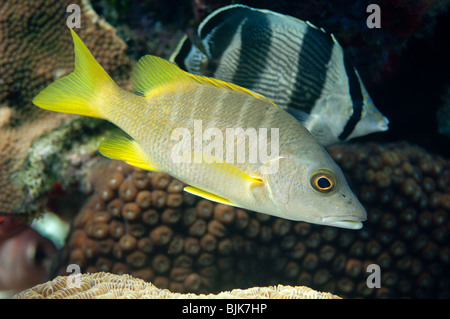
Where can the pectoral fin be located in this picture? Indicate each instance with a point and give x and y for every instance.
(121, 147)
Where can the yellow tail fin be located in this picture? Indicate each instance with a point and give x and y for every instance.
(76, 93)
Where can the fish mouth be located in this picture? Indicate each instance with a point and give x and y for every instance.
(350, 223)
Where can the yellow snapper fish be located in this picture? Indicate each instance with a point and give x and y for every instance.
(298, 66)
(307, 185)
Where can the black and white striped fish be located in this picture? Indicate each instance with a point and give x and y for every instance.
(300, 67)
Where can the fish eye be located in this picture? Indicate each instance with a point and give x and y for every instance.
(323, 181)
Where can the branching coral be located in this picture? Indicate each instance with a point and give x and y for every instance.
(105, 286)
(142, 223)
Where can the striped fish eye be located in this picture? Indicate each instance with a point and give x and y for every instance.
(323, 181)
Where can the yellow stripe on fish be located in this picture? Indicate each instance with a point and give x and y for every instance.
(216, 127)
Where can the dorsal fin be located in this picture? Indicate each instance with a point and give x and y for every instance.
(152, 72)
(227, 85)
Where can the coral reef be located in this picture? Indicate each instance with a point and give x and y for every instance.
(36, 156)
(14, 149)
(106, 286)
(407, 195)
(141, 223)
(35, 49)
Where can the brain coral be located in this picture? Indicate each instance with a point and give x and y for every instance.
(105, 286)
(141, 223)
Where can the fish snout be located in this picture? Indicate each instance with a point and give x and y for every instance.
(350, 219)
(343, 223)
